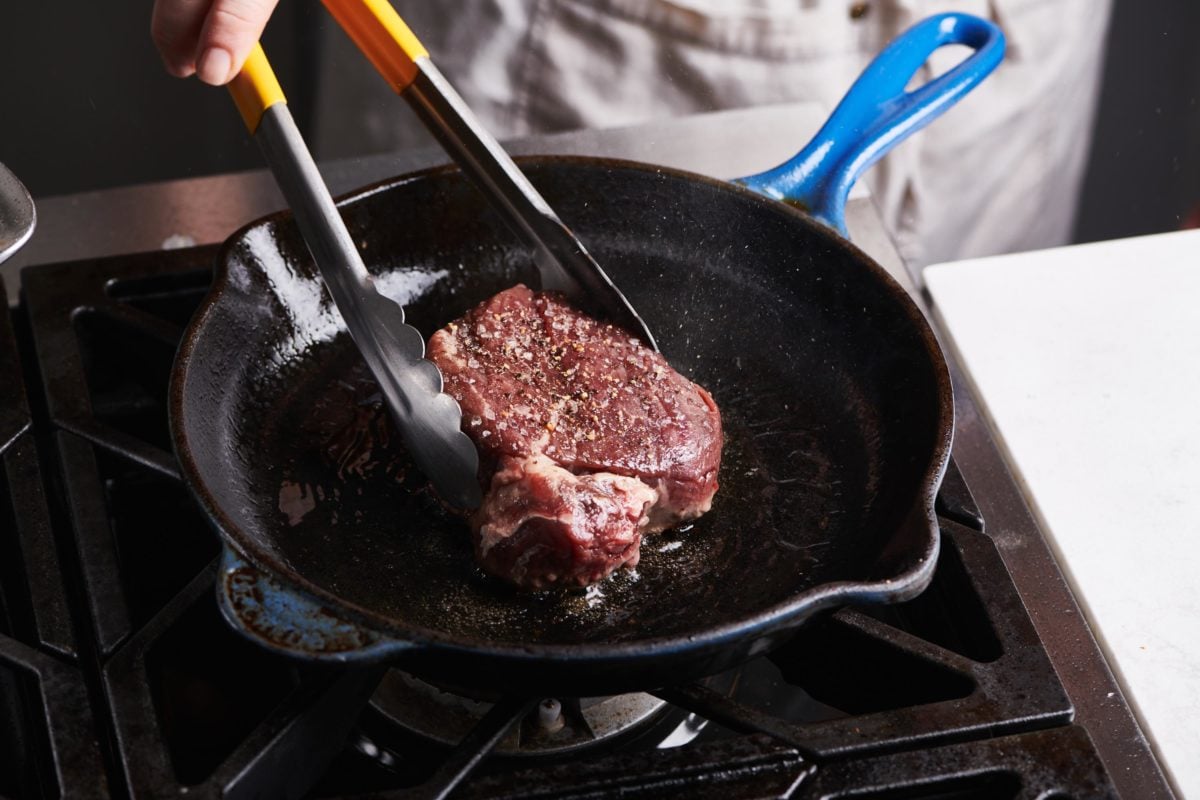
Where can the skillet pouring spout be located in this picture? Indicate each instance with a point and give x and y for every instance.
(836, 405)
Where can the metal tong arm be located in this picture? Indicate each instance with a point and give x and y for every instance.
(429, 420)
(563, 263)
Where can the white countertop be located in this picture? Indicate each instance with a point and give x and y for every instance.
(1087, 362)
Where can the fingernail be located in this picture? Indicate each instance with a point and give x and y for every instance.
(214, 65)
(181, 70)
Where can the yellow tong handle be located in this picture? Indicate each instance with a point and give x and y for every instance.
(255, 88)
(382, 36)
(376, 30)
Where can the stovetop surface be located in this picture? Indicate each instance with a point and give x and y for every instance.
(118, 677)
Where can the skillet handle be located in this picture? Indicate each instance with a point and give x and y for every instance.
(877, 114)
(292, 625)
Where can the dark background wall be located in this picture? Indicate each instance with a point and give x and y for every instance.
(84, 104)
(1144, 170)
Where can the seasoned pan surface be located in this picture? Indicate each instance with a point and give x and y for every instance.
(835, 400)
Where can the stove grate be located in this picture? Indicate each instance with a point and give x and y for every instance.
(47, 733)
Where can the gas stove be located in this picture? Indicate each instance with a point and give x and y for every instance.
(118, 677)
(121, 679)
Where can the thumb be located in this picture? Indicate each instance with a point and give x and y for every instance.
(230, 31)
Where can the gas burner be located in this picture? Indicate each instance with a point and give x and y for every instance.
(556, 726)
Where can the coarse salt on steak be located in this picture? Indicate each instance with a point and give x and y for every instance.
(587, 438)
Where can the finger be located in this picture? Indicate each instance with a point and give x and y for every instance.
(230, 30)
(175, 27)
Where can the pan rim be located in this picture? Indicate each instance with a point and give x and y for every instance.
(784, 615)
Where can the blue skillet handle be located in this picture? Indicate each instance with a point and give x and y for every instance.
(877, 114)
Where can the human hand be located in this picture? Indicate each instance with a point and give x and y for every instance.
(208, 38)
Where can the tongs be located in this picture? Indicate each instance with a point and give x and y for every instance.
(429, 420)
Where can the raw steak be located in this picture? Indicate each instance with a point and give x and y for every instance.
(587, 438)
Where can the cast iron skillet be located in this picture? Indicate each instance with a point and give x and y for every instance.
(835, 398)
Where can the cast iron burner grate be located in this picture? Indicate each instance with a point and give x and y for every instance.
(48, 742)
(949, 695)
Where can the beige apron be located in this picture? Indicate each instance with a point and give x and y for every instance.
(999, 173)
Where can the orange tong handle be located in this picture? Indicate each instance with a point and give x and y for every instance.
(255, 88)
(382, 36)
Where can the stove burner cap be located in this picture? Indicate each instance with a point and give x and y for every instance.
(556, 725)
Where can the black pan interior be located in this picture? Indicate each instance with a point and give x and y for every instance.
(834, 407)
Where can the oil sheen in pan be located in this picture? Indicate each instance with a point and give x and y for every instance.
(353, 515)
